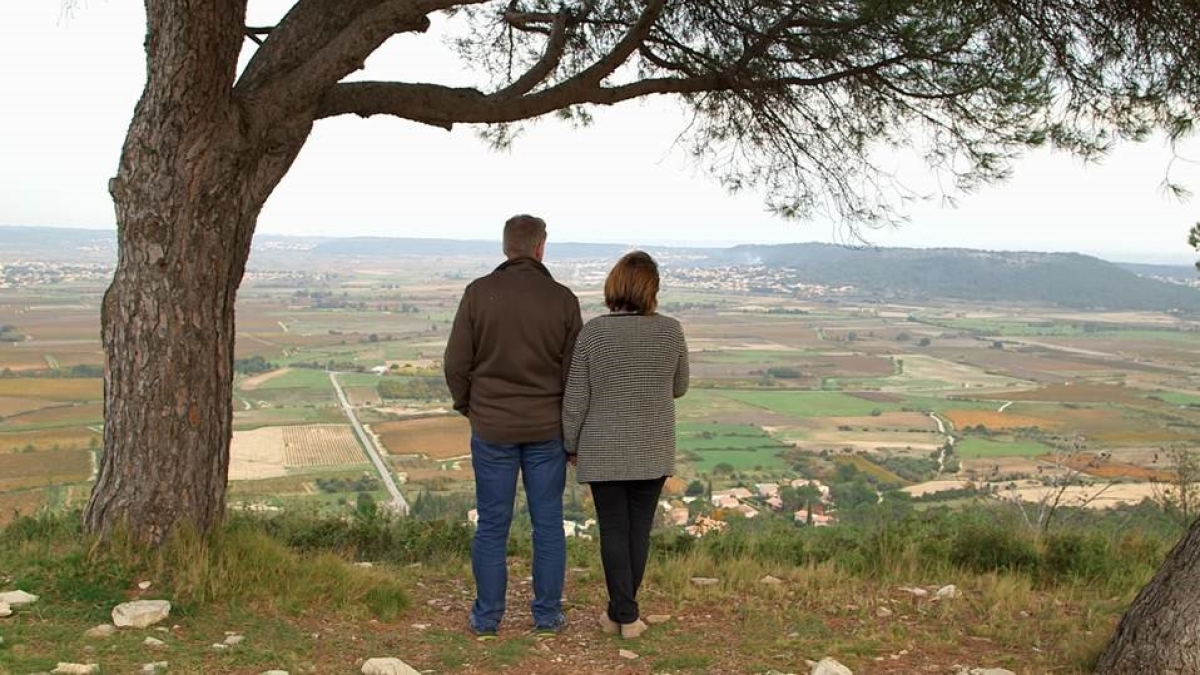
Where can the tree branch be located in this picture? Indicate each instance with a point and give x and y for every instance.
(627, 45)
(445, 106)
(321, 41)
(546, 65)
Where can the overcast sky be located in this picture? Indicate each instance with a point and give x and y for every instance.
(71, 83)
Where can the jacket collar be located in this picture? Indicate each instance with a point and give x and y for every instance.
(521, 262)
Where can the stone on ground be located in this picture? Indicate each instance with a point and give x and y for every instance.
(76, 669)
(883, 612)
(828, 666)
(5, 610)
(770, 580)
(947, 592)
(233, 640)
(388, 666)
(144, 585)
(141, 613)
(626, 654)
(656, 619)
(915, 591)
(17, 598)
(104, 630)
(274, 672)
(155, 667)
(153, 642)
(704, 581)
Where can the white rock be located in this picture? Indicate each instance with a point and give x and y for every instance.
(915, 591)
(883, 612)
(154, 667)
(628, 655)
(704, 581)
(991, 671)
(828, 666)
(420, 626)
(153, 642)
(233, 640)
(141, 613)
(144, 585)
(947, 592)
(770, 580)
(100, 632)
(76, 669)
(365, 565)
(388, 666)
(17, 598)
(220, 646)
(5, 610)
(274, 672)
(655, 619)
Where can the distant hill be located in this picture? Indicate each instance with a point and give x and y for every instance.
(1066, 279)
(1179, 273)
(378, 247)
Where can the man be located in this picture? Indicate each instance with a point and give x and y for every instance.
(506, 363)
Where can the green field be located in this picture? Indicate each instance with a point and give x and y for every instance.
(973, 448)
(751, 356)
(299, 378)
(1177, 398)
(811, 403)
(741, 460)
(742, 446)
(723, 437)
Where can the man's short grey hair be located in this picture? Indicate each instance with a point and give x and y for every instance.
(522, 235)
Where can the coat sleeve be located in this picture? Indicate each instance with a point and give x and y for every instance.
(576, 400)
(459, 359)
(574, 325)
(682, 368)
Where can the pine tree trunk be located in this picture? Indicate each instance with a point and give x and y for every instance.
(193, 177)
(1160, 632)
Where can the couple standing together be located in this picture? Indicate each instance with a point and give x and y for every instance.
(541, 390)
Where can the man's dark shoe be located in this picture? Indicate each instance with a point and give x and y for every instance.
(553, 628)
(481, 634)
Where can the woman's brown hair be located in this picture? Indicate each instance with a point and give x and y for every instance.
(632, 285)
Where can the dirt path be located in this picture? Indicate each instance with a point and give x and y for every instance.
(252, 383)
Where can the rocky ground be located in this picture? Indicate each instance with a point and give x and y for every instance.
(776, 624)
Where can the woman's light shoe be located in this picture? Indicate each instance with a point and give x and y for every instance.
(632, 630)
(608, 626)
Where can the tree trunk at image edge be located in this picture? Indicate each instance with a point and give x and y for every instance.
(1160, 632)
(188, 191)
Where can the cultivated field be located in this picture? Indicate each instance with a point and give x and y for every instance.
(783, 385)
(321, 445)
(443, 437)
(24, 470)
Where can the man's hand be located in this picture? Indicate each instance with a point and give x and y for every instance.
(572, 459)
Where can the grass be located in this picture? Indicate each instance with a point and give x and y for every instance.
(971, 448)
(285, 583)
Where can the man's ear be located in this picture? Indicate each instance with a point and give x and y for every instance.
(540, 251)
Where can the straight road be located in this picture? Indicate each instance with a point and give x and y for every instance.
(399, 504)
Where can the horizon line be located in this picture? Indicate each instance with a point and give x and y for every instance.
(1129, 257)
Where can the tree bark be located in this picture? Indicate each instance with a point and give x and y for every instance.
(193, 176)
(1160, 632)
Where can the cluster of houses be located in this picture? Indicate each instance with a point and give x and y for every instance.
(748, 504)
(739, 500)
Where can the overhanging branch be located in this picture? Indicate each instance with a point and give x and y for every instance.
(546, 65)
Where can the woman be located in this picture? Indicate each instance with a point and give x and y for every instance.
(628, 368)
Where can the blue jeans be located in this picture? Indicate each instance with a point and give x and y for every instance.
(543, 466)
